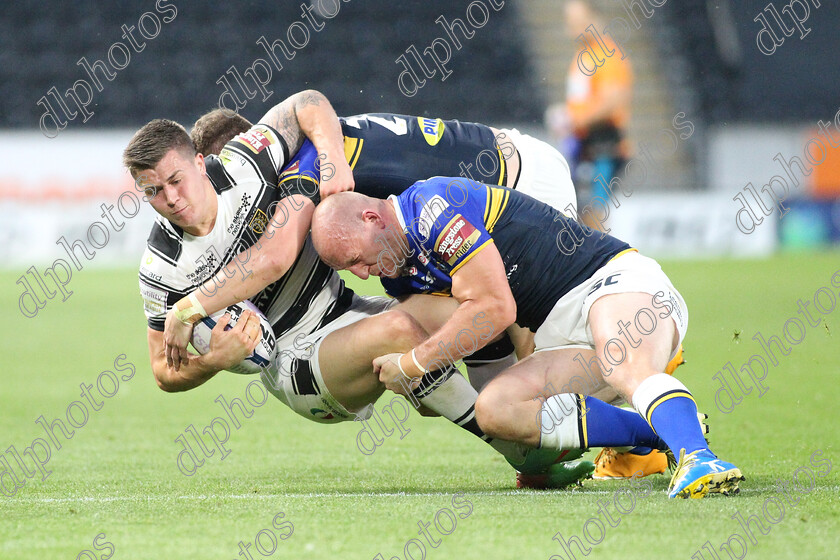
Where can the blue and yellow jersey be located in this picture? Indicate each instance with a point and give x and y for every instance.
(388, 153)
(303, 172)
(449, 220)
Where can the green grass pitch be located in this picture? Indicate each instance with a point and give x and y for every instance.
(117, 477)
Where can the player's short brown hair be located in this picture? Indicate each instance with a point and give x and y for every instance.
(213, 130)
(152, 142)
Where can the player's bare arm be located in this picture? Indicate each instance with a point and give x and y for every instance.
(479, 286)
(227, 348)
(309, 114)
(267, 261)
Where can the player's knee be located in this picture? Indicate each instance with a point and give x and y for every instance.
(402, 328)
(488, 412)
(629, 374)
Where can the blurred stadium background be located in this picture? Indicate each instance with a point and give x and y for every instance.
(118, 475)
(696, 56)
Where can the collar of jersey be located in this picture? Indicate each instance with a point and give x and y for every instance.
(398, 209)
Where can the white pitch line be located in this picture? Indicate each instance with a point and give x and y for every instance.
(105, 499)
(97, 499)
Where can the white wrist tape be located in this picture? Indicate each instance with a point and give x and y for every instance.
(404, 374)
(417, 362)
(189, 310)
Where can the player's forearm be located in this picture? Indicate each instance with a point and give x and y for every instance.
(262, 264)
(464, 333)
(305, 114)
(198, 371)
(231, 285)
(319, 122)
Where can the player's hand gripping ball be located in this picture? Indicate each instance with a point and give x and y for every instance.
(263, 355)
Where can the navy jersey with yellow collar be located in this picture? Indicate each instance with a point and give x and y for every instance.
(449, 220)
(388, 153)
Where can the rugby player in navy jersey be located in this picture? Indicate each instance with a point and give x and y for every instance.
(387, 153)
(515, 259)
(211, 208)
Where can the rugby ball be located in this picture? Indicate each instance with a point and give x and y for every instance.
(263, 355)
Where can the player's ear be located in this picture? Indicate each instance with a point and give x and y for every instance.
(199, 161)
(371, 216)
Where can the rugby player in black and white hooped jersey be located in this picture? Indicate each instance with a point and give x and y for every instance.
(388, 152)
(326, 335)
(208, 210)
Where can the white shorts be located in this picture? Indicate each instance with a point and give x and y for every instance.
(544, 173)
(296, 379)
(567, 325)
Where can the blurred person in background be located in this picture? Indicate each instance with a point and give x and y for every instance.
(589, 128)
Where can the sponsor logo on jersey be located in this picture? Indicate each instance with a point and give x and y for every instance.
(259, 221)
(432, 130)
(146, 272)
(154, 300)
(456, 239)
(255, 139)
(465, 246)
(227, 157)
(239, 216)
(430, 213)
(202, 271)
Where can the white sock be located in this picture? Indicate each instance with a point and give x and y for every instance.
(558, 422)
(652, 388)
(451, 396)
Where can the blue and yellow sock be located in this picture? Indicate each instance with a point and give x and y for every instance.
(572, 421)
(667, 405)
(605, 425)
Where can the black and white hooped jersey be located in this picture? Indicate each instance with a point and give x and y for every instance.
(244, 176)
